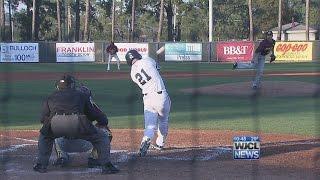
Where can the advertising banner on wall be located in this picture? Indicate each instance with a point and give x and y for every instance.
(123, 48)
(75, 52)
(19, 52)
(235, 51)
(293, 51)
(183, 52)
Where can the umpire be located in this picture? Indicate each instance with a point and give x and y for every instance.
(68, 113)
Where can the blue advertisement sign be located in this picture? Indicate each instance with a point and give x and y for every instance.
(183, 52)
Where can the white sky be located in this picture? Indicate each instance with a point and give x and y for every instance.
(20, 7)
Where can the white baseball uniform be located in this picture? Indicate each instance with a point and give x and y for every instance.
(156, 100)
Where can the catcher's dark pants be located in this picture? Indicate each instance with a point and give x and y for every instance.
(98, 139)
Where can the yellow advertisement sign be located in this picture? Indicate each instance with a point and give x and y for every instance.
(293, 51)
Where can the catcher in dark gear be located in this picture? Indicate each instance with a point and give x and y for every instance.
(63, 145)
(69, 113)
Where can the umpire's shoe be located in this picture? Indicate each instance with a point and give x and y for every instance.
(144, 147)
(40, 168)
(109, 168)
(93, 163)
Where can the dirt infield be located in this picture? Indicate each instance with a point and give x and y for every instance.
(189, 154)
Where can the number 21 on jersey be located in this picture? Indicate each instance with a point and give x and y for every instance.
(142, 77)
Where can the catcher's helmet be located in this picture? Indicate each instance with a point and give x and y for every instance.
(66, 81)
(131, 55)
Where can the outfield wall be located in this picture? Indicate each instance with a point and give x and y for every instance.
(52, 52)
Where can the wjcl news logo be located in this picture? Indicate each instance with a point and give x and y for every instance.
(246, 147)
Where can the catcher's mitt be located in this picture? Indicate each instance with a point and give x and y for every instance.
(272, 58)
(106, 130)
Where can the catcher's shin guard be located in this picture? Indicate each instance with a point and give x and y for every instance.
(94, 153)
(59, 148)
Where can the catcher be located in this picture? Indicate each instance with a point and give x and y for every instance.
(68, 113)
(265, 47)
(63, 145)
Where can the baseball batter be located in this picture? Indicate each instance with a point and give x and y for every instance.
(156, 100)
(265, 47)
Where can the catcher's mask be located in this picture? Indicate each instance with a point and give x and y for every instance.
(131, 55)
(66, 81)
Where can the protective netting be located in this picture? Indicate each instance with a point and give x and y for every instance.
(211, 105)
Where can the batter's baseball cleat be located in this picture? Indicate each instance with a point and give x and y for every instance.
(234, 65)
(255, 88)
(144, 147)
(109, 168)
(271, 60)
(40, 168)
(93, 163)
(156, 147)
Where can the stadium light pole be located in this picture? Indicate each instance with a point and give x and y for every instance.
(210, 27)
(133, 14)
(10, 21)
(210, 20)
(174, 22)
(307, 19)
(279, 20)
(2, 20)
(113, 18)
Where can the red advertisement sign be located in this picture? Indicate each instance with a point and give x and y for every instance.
(235, 51)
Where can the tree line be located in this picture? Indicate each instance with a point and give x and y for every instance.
(149, 20)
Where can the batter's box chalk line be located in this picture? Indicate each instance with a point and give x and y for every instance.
(171, 153)
(13, 148)
(178, 154)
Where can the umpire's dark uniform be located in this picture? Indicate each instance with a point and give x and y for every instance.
(68, 112)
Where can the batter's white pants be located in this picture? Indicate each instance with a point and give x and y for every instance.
(156, 116)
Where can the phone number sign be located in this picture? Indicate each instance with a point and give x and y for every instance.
(183, 52)
(19, 52)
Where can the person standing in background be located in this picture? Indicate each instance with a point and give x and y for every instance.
(112, 50)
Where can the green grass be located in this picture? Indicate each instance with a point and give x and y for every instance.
(20, 103)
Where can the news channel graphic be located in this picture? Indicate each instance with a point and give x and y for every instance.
(246, 147)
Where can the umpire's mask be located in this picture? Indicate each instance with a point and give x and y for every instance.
(66, 81)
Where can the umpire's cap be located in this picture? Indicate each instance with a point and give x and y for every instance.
(66, 81)
(131, 55)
